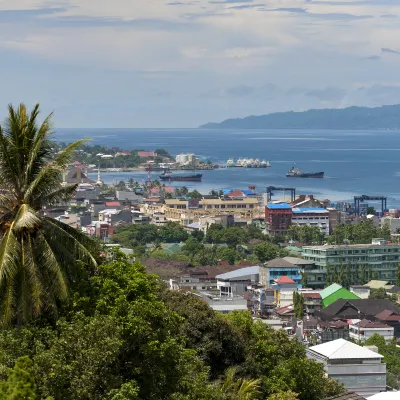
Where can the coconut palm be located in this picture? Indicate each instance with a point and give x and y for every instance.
(234, 388)
(38, 255)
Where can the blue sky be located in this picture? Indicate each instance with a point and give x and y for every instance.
(156, 63)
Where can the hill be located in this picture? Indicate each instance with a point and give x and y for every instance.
(385, 117)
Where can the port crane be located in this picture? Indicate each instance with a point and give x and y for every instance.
(271, 189)
(361, 199)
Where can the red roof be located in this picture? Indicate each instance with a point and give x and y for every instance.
(311, 295)
(284, 310)
(146, 154)
(284, 279)
(365, 323)
(235, 193)
(113, 204)
(387, 315)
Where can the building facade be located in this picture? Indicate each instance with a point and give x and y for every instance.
(382, 258)
(318, 217)
(276, 268)
(278, 218)
(364, 329)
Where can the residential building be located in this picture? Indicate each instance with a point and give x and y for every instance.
(381, 310)
(113, 216)
(364, 329)
(335, 292)
(358, 368)
(284, 288)
(312, 302)
(318, 217)
(263, 301)
(382, 258)
(236, 282)
(361, 291)
(186, 212)
(126, 195)
(392, 222)
(276, 268)
(278, 218)
(224, 305)
(224, 220)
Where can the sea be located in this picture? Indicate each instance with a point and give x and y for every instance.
(354, 162)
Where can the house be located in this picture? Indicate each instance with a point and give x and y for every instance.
(278, 267)
(262, 301)
(285, 313)
(112, 205)
(391, 318)
(236, 282)
(147, 154)
(335, 292)
(364, 329)
(312, 302)
(361, 291)
(358, 368)
(284, 288)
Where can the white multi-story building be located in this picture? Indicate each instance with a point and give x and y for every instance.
(364, 329)
(359, 369)
(318, 217)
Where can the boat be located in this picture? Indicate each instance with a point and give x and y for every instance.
(230, 163)
(265, 164)
(296, 173)
(169, 176)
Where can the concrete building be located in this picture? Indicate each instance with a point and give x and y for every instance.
(361, 291)
(392, 222)
(224, 305)
(382, 258)
(335, 292)
(236, 282)
(125, 195)
(224, 220)
(116, 216)
(284, 288)
(318, 217)
(312, 302)
(276, 268)
(364, 329)
(278, 218)
(358, 368)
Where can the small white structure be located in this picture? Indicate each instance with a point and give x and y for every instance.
(364, 329)
(359, 369)
(361, 291)
(236, 282)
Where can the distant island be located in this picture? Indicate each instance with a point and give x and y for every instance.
(385, 117)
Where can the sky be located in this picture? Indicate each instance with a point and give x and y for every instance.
(162, 64)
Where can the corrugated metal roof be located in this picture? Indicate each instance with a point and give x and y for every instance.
(342, 349)
(330, 290)
(240, 272)
(279, 206)
(310, 210)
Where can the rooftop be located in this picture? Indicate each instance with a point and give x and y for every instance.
(342, 349)
(240, 272)
(297, 261)
(349, 246)
(346, 396)
(310, 210)
(279, 206)
(280, 263)
(388, 315)
(311, 295)
(284, 280)
(330, 290)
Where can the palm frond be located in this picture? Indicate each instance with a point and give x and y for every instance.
(9, 255)
(26, 218)
(67, 154)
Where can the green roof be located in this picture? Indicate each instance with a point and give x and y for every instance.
(330, 290)
(342, 293)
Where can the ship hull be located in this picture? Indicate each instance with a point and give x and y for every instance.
(194, 178)
(318, 175)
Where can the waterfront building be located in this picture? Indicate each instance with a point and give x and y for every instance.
(382, 258)
(335, 292)
(278, 218)
(358, 368)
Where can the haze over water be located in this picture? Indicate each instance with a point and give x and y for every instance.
(354, 162)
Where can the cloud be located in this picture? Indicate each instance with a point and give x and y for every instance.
(373, 58)
(327, 94)
(391, 51)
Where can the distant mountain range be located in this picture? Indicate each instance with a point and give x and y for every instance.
(385, 117)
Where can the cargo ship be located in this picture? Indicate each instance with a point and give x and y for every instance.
(169, 176)
(296, 173)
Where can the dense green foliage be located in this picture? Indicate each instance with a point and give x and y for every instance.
(305, 234)
(232, 244)
(125, 336)
(391, 354)
(385, 117)
(361, 233)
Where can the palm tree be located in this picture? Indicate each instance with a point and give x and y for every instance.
(38, 255)
(233, 388)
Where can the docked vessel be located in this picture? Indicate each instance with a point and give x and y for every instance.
(230, 163)
(169, 176)
(296, 173)
(247, 163)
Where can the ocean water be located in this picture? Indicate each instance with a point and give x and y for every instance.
(354, 162)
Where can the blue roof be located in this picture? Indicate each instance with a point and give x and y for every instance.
(278, 206)
(248, 192)
(308, 210)
(226, 191)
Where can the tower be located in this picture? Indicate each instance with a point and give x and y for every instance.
(99, 182)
